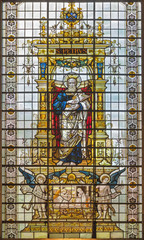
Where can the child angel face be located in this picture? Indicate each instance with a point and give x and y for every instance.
(40, 179)
(105, 178)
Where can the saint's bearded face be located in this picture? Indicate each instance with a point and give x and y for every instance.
(72, 85)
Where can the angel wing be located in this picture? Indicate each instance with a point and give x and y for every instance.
(91, 174)
(56, 174)
(30, 179)
(114, 178)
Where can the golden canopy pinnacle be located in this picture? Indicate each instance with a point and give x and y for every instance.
(43, 27)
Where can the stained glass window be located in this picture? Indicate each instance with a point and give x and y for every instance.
(71, 120)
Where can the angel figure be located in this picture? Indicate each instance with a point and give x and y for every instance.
(104, 195)
(37, 187)
(71, 107)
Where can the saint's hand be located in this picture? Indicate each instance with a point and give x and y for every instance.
(72, 106)
(75, 101)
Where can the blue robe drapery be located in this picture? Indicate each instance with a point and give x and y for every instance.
(59, 105)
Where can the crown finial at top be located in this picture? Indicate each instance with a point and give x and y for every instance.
(71, 15)
(71, 5)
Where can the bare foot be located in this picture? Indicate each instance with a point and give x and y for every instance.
(60, 163)
(72, 163)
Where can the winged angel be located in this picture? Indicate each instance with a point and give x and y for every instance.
(104, 195)
(71, 106)
(36, 186)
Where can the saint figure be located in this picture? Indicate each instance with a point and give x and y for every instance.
(72, 105)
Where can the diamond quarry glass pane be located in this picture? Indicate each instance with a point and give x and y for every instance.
(71, 120)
